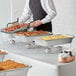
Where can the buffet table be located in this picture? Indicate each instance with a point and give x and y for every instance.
(43, 64)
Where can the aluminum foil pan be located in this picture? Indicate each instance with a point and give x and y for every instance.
(54, 41)
(15, 72)
(29, 38)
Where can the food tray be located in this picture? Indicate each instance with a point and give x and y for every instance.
(20, 38)
(28, 38)
(24, 38)
(15, 27)
(55, 41)
(15, 72)
(24, 28)
(6, 32)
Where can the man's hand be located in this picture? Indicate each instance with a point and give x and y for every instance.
(35, 23)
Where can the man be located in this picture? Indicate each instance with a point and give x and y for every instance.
(42, 12)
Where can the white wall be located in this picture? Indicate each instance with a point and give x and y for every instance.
(17, 7)
(5, 14)
(65, 21)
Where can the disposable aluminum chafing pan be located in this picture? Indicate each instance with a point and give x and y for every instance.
(28, 38)
(24, 38)
(6, 35)
(55, 41)
(24, 28)
(15, 72)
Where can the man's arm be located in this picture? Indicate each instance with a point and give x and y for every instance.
(49, 8)
(26, 13)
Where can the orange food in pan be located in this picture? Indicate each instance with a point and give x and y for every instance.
(31, 33)
(12, 28)
(10, 64)
(2, 52)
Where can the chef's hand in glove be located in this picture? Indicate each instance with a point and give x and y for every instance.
(35, 23)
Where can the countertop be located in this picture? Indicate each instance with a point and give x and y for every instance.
(36, 53)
